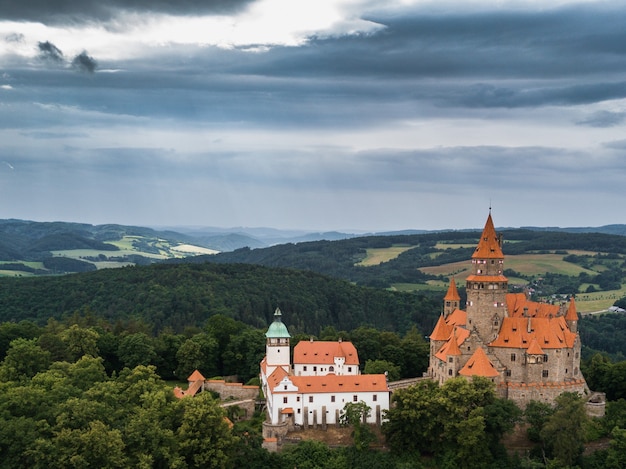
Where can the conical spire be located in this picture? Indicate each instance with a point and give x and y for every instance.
(453, 293)
(453, 348)
(489, 244)
(571, 315)
(441, 330)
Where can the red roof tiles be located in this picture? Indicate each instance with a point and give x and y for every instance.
(453, 293)
(489, 244)
(322, 352)
(479, 365)
(442, 330)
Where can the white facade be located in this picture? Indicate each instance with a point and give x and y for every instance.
(324, 378)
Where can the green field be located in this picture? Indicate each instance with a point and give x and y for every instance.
(375, 256)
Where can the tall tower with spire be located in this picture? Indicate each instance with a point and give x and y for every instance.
(487, 286)
(277, 345)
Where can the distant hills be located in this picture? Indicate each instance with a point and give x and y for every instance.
(43, 248)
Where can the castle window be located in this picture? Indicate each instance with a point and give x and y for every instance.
(310, 398)
(332, 398)
(508, 373)
(513, 357)
(285, 387)
(349, 369)
(375, 397)
(314, 368)
(355, 398)
(304, 368)
(544, 373)
(331, 368)
(298, 399)
(545, 358)
(284, 400)
(450, 359)
(449, 372)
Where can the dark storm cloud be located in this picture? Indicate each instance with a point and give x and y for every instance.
(69, 11)
(483, 59)
(84, 63)
(50, 52)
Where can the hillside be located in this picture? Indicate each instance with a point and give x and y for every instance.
(36, 248)
(186, 295)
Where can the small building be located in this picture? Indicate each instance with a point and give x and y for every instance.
(314, 389)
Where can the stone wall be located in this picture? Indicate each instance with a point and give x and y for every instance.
(235, 391)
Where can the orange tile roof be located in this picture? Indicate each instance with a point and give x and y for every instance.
(276, 377)
(571, 315)
(287, 410)
(323, 352)
(517, 302)
(518, 332)
(451, 347)
(442, 330)
(194, 388)
(196, 376)
(479, 365)
(453, 293)
(346, 383)
(486, 278)
(534, 348)
(489, 245)
(458, 317)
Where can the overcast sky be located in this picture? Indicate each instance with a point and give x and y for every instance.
(313, 114)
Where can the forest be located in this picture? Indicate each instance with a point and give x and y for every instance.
(88, 361)
(85, 389)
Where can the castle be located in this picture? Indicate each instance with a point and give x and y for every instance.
(530, 350)
(314, 389)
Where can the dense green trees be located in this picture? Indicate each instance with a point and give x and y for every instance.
(460, 423)
(175, 297)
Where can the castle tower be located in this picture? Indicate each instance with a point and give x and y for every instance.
(572, 316)
(487, 286)
(277, 345)
(452, 299)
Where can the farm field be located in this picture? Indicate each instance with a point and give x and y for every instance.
(375, 256)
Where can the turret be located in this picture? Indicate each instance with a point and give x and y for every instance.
(452, 299)
(277, 345)
(571, 317)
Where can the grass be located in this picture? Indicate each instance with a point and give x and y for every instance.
(376, 256)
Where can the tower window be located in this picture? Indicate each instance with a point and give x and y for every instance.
(544, 373)
(513, 357)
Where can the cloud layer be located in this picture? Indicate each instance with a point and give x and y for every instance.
(345, 115)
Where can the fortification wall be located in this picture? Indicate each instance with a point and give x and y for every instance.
(235, 391)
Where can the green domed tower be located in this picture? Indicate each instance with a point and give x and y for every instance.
(277, 343)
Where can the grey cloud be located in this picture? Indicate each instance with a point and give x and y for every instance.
(72, 11)
(616, 145)
(14, 37)
(604, 119)
(84, 63)
(50, 52)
